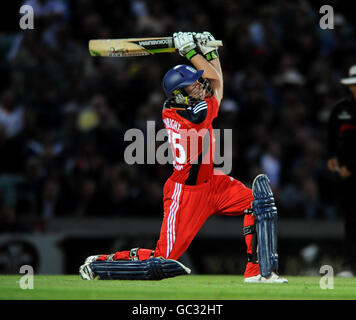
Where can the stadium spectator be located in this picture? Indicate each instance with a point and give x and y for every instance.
(72, 110)
(12, 118)
(342, 162)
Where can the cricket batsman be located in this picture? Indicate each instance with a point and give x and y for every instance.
(195, 190)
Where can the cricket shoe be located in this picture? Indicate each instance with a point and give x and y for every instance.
(86, 272)
(100, 257)
(345, 274)
(273, 278)
(254, 279)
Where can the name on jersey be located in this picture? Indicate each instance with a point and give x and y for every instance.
(172, 124)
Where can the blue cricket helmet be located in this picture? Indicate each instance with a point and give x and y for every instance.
(180, 77)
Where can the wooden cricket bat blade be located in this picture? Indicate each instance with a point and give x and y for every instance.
(134, 47)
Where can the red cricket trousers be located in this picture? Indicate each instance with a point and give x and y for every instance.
(186, 208)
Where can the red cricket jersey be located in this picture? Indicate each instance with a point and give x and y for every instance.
(191, 137)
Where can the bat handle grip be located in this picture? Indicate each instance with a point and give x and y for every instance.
(214, 43)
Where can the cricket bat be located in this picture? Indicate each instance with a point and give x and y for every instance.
(135, 47)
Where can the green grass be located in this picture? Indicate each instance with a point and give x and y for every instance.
(192, 287)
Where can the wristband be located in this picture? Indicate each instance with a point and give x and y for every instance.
(191, 54)
(211, 55)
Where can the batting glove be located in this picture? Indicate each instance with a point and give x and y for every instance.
(184, 42)
(201, 40)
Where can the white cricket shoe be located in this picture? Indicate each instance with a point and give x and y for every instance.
(95, 258)
(86, 272)
(254, 279)
(273, 278)
(345, 274)
(91, 259)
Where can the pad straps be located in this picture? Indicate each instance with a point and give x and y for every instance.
(141, 254)
(251, 257)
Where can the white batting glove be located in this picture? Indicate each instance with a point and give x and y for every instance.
(201, 40)
(184, 42)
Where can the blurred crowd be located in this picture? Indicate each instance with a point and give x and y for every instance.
(64, 114)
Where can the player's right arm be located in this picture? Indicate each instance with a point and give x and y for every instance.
(202, 57)
(212, 72)
(211, 55)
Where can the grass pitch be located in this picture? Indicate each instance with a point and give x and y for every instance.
(192, 287)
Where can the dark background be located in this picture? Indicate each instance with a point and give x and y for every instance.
(63, 158)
